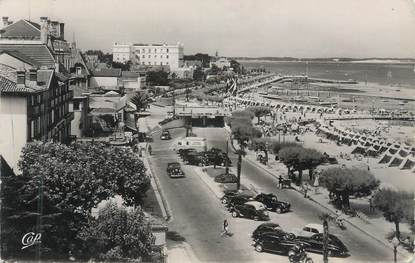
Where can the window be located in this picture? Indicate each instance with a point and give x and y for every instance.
(78, 70)
(149, 56)
(144, 56)
(143, 50)
(167, 50)
(155, 56)
(76, 105)
(167, 56)
(32, 129)
(161, 63)
(155, 50)
(161, 56)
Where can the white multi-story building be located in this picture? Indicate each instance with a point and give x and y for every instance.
(150, 54)
(121, 52)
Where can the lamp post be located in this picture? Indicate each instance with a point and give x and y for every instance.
(395, 243)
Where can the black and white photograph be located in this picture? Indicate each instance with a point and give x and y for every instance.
(199, 131)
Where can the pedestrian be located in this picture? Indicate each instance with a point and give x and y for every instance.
(149, 149)
(225, 228)
(305, 189)
(280, 182)
(371, 207)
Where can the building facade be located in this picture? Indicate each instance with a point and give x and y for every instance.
(150, 54)
(34, 106)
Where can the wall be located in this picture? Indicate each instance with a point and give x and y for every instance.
(104, 82)
(13, 119)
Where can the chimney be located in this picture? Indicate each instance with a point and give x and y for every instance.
(54, 28)
(44, 28)
(5, 21)
(21, 77)
(62, 30)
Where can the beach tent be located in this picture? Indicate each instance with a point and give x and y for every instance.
(359, 150)
(396, 161)
(386, 158)
(392, 150)
(408, 163)
(376, 146)
(403, 153)
(368, 144)
(371, 152)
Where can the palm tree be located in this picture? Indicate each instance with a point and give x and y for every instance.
(140, 100)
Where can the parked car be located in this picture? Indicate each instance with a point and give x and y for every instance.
(275, 242)
(165, 135)
(238, 199)
(195, 158)
(251, 209)
(217, 157)
(226, 178)
(183, 152)
(309, 230)
(174, 170)
(266, 228)
(229, 194)
(315, 242)
(272, 203)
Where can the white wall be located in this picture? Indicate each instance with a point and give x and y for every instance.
(13, 134)
(104, 82)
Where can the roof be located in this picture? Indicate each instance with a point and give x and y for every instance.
(21, 57)
(22, 29)
(78, 91)
(100, 111)
(316, 226)
(130, 74)
(36, 52)
(256, 204)
(107, 72)
(10, 85)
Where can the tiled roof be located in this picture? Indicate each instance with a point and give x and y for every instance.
(107, 72)
(37, 52)
(22, 29)
(130, 74)
(8, 86)
(20, 56)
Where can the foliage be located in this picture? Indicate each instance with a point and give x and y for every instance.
(198, 74)
(117, 234)
(204, 58)
(102, 57)
(396, 206)
(123, 66)
(344, 182)
(277, 146)
(236, 66)
(74, 179)
(259, 111)
(158, 78)
(140, 100)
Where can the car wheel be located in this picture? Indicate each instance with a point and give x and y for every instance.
(222, 164)
(200, 164)
(224, 201)
(258, 248)
(278, 210)
(234, 214)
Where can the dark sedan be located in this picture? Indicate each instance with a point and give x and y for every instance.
(272, 203)
(315, 244)
(275, 242)
(238, 200)
(266, 228)
(226, 178)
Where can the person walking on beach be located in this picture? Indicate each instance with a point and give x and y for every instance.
(225, 228)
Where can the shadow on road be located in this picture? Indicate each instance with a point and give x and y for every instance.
(174, 236)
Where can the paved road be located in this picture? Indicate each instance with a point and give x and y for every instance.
(198, 214)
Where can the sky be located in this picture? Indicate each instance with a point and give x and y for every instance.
(251, 28)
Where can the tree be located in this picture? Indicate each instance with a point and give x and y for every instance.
(198, 74)
(396, 206)
(140, 100)
(236, 66)
(289, 156)
(259, 111)
(158, 78)
(117, 234)
(66, 182)
(123, 66)
(344, 182)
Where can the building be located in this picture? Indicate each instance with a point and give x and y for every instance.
(222, 63)
(106, 78)
(38, 42)
(150, 54)
(79, 73)
(81, 124)
(133, 81)
(121, 53)
(34, 105)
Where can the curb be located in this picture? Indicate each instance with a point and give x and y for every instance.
(165, 208)
(329, 209)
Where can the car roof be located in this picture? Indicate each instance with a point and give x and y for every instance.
(256, 204)
(269, 224)
(173, 164)
(319, 227)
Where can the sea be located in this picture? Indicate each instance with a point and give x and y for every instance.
(397, 75)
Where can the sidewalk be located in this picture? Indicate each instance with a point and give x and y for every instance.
(376, 228)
